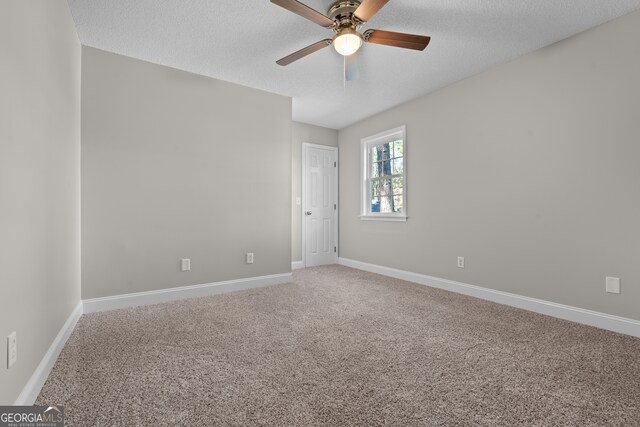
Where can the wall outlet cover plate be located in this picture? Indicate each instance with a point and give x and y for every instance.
(612, 285)
(12, 349)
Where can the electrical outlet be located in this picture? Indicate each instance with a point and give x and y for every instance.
(460, 262)
(185, 264)
(249, 257)
(12, 349)
(612, 285)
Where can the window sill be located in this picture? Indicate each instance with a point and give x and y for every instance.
(392, 218)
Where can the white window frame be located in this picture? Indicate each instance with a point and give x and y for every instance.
(365, 182)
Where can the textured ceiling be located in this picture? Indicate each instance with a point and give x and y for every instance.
(239, 41)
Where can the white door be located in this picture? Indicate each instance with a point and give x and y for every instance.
(319, 203)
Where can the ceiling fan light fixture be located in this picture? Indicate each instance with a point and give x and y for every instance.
(347, 41)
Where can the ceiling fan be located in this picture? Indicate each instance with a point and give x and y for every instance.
(345, 17)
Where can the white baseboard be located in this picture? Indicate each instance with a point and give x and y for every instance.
(164, 295)
(32, 389)
(295, 265)
(580, 315)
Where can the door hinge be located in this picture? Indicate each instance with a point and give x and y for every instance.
(335, 206)
(335, 164)
(335, 249)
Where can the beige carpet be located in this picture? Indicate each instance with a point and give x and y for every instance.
(343, 347)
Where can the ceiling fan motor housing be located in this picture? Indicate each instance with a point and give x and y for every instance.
(342, 12)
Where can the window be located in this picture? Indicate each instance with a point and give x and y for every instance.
(384, 180)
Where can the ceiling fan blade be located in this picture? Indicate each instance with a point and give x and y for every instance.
(389, 38)
(304, 52)
(368, 8)
(351, 69)
(305, 11)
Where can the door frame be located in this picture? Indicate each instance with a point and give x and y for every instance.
(305, 149)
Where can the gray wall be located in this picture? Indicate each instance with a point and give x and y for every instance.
(176, 165)
(530, 170)
(301, 133)
(39, 181)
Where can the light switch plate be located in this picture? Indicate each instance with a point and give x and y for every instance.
(185, 264)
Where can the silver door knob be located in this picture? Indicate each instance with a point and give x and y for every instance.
(307, 213)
